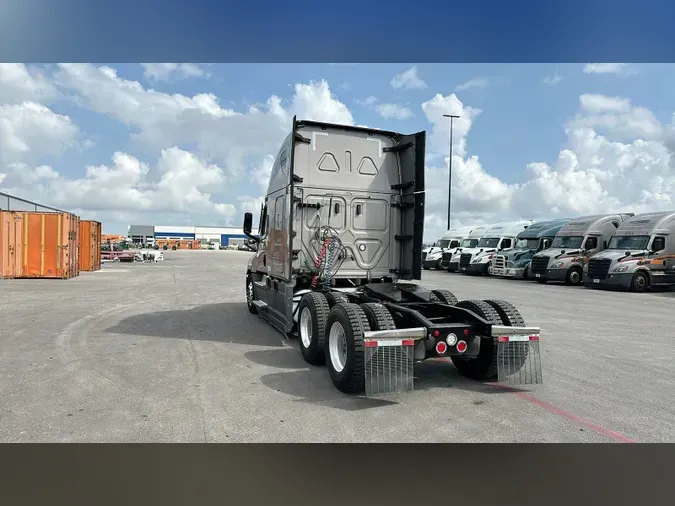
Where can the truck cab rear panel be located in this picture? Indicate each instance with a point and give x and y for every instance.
(367, 186)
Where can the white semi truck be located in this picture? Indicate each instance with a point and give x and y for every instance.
(449, 243)
(450, 259)
(515, 264)
(339, 247)
(497, 238)
(573, 245)
(640, 255)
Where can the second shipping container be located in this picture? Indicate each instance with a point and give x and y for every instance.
(90, 245)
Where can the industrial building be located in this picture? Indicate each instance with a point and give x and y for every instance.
(220, 236)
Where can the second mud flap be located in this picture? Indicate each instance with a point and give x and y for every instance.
(518, 360)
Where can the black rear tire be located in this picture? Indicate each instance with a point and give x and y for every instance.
(334, 298)
(250, 296)
(511, 317)
(484, 366)
(379, 317)
(314, 309)
(444, 296)
(507, 312)
(354, 323)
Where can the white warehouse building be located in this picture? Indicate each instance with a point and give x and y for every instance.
(223, 236)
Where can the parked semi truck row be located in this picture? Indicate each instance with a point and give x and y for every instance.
(450, 259)
(450, 242)
(516, 262)
(340, 240)
(640, 255)
(499, 237)
(573, 245)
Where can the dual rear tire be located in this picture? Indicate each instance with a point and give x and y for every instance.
(334, 336)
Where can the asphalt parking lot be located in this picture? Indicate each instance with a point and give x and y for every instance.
(168, 352)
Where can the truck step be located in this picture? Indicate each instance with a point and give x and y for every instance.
(260, 304)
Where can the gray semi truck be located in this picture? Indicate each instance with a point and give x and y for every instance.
(340, 239)
(516, 263)
(640, 255)
(573, 245)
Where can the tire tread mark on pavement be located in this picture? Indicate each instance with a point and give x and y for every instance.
(194, 360)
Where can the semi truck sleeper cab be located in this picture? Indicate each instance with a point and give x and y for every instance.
(640, 255)
(339, 246)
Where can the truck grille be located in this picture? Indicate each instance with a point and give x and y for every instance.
(445, 259)
(465, 260)
(539, 264)
(500, 262)
(598, 268)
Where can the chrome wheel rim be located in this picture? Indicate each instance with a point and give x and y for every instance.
(337, 347)
(249, 293)
(574, 277)
(306, 327)
(640, 281)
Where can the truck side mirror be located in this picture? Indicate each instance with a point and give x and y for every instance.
(248, 223)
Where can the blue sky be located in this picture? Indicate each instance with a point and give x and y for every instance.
(218, 159)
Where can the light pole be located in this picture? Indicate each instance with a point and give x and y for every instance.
(452, 118)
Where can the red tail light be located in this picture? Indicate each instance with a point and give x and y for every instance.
(461, 346)
(441, 347)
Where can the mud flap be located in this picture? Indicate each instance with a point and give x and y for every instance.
(518, 360)
(388, 365)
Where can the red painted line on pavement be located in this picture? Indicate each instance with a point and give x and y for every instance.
(616, 436)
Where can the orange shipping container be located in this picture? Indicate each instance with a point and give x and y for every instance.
(38, 245)
(90, 245)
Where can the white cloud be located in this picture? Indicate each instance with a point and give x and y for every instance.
(602, 103)
(387, 111)
(18, 83)
(393, 111)
(29, 131)
(236, 140)
(179, 182)
(408, 80)
(168, 71)
(618, 116)
(552, 80)
(314, 101)
(368, 101)
(260, 174)
(477, 83)
(434, 109)
(606, 68)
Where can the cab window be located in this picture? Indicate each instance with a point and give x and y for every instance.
(591, 243)
(264, 221)
(506, 244)
(658, 243)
